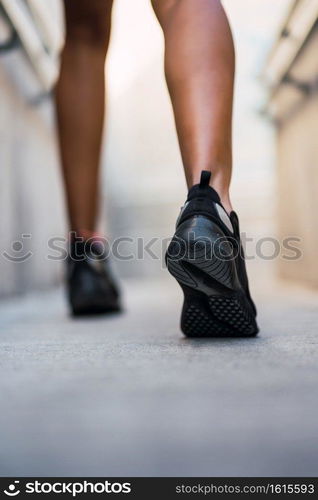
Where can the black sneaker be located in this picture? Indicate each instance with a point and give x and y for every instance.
(206, 258)
(90, 284)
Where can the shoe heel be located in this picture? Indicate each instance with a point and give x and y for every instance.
(202, 260)
(205, 263)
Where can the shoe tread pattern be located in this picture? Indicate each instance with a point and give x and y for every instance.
(212, 314)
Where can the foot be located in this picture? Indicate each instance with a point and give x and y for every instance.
(206, 258)
(91, 287)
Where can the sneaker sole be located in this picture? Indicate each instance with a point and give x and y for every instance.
(91, 306)
(214, 303)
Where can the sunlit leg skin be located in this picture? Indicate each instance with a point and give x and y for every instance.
(200, 65)
(80, 102)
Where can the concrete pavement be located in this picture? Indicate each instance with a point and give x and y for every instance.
(129, 396)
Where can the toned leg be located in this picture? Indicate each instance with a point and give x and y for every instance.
(80, 101)
(199, 65)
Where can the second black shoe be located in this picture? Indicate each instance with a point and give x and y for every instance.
(206, 258)
(90, 284)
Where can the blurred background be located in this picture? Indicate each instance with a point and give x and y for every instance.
(275, 123)
(128, 395)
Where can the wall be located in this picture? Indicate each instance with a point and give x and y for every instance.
(30, 188)
(298, 190)
(297, 160)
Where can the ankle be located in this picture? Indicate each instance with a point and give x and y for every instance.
(221, 187)
(220, 181)
(226, 202)
(84, 234)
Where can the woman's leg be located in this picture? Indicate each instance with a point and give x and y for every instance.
(199, 64)
(80, 101)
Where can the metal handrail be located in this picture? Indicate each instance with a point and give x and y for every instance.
(43, 61)
(13, 40)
